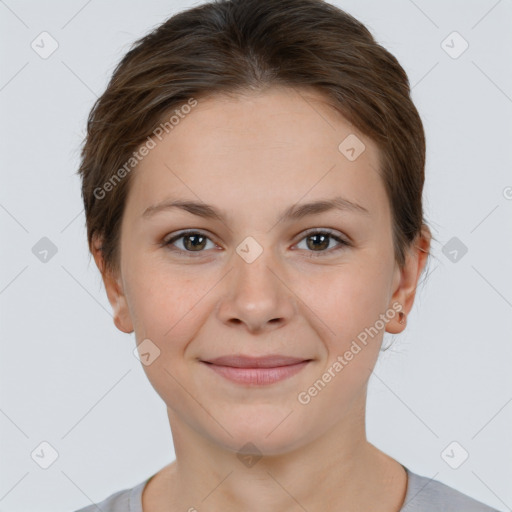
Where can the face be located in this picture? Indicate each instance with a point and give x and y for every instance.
(264, 277)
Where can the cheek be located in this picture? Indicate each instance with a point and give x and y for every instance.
(159, 304)
(349, 304)
(166, 309)
(347, 299)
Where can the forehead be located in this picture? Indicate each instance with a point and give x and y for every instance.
(281, 144)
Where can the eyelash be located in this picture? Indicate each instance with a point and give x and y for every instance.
(193, 254)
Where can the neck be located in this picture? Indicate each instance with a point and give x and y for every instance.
(340, 471)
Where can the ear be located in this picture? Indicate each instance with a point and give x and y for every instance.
(114, 289)
(406, 279)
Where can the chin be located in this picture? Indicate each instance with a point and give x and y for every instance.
(266, 430)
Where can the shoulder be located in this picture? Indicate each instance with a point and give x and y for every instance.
(425, 494)
(126, 500)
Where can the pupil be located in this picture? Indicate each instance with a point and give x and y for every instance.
(322, 244)
(196, 244)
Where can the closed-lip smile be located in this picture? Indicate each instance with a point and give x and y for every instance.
(257, 371)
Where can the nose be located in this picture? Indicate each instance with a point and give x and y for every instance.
(257, 295)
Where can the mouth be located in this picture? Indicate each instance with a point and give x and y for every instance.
(256, 371)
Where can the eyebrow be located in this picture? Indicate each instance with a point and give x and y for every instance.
(294, 212)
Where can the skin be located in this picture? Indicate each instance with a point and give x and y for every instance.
(251, 156)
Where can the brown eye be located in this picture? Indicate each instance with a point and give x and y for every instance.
(189, 242)
(194, 242)
(320, 242)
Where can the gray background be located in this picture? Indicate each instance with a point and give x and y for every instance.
(69, 377)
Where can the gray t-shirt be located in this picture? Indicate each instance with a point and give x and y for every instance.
(423, 495)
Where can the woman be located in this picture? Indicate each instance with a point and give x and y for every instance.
(252, 180)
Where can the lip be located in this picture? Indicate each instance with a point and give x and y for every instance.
(256, 371)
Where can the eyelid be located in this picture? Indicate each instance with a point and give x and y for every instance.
(168, 243)
(342, 240)
(329, 231)
(190, 231)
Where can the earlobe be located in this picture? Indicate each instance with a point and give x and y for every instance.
(114, 290)
(122, 319)
(117, 299)
(408, 278)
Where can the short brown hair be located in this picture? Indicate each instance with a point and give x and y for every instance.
(228, 46)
